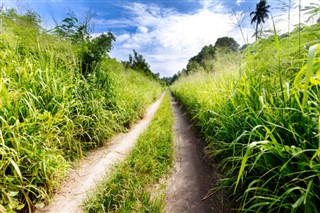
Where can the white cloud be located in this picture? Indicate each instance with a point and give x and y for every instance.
(238, 2)
(167, 39)
(142, 29)
(123, 37)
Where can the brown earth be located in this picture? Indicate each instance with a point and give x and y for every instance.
(194, 174)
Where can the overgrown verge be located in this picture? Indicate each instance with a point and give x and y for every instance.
(131, 186)
(261, 121)
(50, 113)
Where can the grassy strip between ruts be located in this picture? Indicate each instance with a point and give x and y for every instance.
(133, 183)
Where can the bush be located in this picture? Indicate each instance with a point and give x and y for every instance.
(90, 50)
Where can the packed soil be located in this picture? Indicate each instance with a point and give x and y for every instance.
(95, 166)
(194, 175)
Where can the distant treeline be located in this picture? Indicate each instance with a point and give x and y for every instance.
(205, 59)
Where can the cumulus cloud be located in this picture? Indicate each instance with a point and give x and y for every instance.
(123, 37)
(168, 38)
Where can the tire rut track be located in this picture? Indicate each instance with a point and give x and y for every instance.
(94, 167)
(188, 187)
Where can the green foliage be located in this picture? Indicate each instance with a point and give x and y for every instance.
(138, 63)
(90, 50)
(50, 114)
(167, 80)
(205, 59)
(261, 122)
(131, 186)
(176, 76)
(69, 29)
(94, 50)
(227, 44)
(202, 59)
(131, 100)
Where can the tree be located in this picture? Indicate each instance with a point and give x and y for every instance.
(94, 50)
(260, 15)
(200, 61)
(204, 60)
(90, 50)
(166, 80)
(138, 63)
(193, 66)
(177, 75)
(227, 43)
(69, 27)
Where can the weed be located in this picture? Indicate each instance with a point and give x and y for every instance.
(261, 122)
(128, 188)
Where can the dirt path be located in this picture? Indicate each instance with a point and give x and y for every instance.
(95, 166)
(193, 175)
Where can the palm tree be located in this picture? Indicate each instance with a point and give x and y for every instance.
(260, 14)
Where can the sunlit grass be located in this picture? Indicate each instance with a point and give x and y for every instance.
(131, 188)
(50, 114)
(261, 122)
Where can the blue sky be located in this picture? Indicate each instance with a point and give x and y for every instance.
(166, 32)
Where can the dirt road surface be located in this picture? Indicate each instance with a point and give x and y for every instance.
(95, 166)
(193, 175)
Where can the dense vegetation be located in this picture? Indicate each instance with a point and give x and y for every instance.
(203, 61)
(132, 186)
(90, 50)
(259, 112)
(53, 109)
(137, 62)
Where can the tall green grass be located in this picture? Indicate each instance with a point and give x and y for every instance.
(131, 188)
(261, 122)
(50, 114)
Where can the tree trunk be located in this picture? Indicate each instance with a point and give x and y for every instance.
(257, 31)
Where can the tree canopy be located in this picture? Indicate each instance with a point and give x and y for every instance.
(227, 43)
(139, 64)
(259, 15)
(204, 60)
(91, 50)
